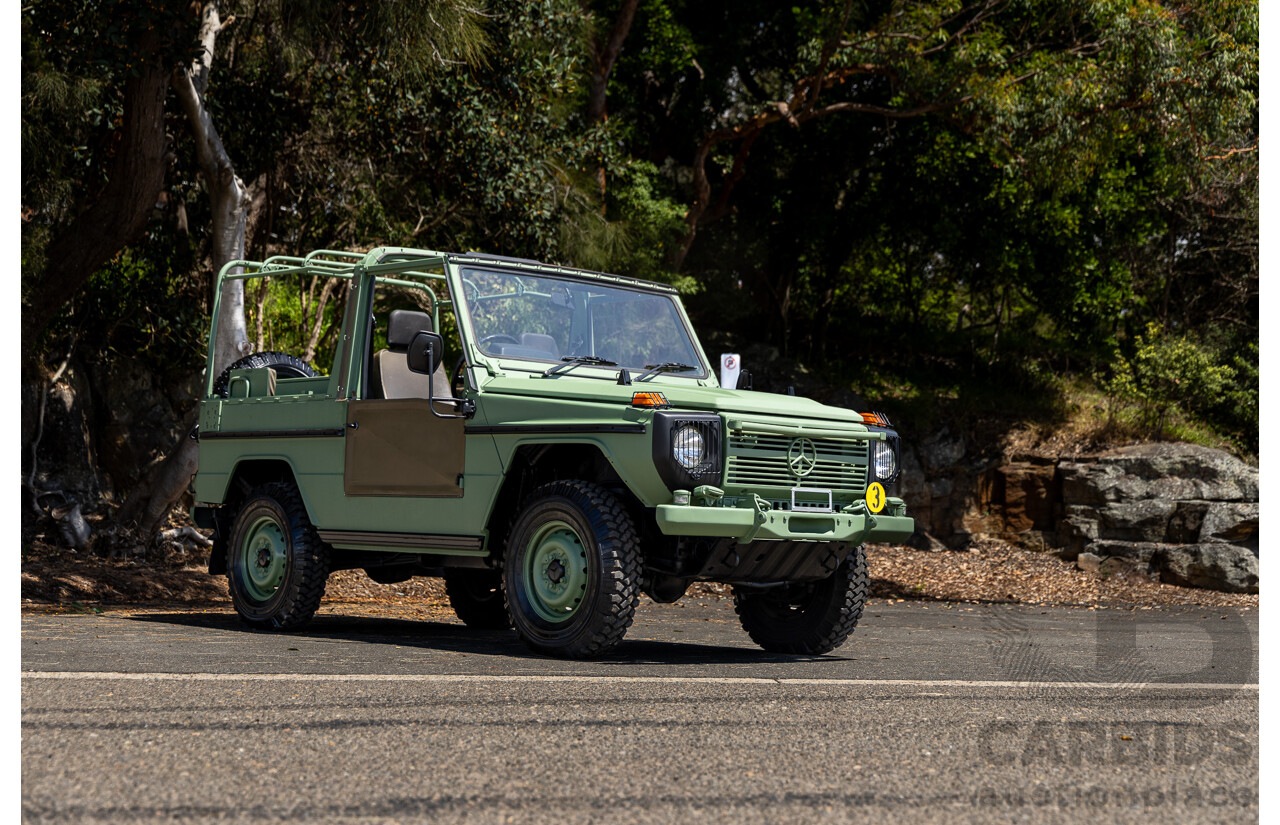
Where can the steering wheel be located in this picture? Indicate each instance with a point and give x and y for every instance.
(498, 338)
(455, 378)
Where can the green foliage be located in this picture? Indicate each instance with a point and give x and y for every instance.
(637, 238)
(1236, 414)
(141, 307)
(1167, 371)
(1073, 173)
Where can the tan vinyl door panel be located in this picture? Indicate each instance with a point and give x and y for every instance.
(396, 447)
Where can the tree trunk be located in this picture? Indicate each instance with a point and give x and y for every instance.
(314, 339)
(120, 213)
(230, 201)
(228, 195)
(604, 56)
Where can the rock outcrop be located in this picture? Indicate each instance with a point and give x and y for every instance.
(1185, 513)
(1188, 513)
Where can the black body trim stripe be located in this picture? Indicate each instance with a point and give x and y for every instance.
(557, 429)
(337, 432)
(437, 542)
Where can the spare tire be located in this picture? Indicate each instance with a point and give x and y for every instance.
(285, 365)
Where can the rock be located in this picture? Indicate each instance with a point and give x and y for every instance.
(1175, 472)
(1075, 532)
(1140, 552)
(1108, 558)
(1114, 566)
(1027, 493)
(1143, 521)
(941, 450)
(1232, 522)
(1216, 566)
(1088, 562)
(915, 491)
(1136, 520)
(1186, 521)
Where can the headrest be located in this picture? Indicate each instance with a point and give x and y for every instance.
(403, 325)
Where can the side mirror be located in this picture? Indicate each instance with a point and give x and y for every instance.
(425, 352)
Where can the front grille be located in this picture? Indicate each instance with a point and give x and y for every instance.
(759, 460)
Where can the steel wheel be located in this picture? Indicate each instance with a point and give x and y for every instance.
(555, 574)
(263, 558)
(572, 571)
(278, 565)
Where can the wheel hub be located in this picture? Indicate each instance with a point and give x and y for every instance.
(555, 572)
(263, 559)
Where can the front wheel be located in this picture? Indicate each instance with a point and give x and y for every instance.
(809, 618)
(572, 570)
(278, 564)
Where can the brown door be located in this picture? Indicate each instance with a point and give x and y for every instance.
(396, 447)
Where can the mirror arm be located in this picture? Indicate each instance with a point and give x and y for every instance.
(466, 405)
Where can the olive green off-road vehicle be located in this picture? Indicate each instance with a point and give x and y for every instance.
(550, 441)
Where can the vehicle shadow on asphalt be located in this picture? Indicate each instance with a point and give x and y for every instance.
(454, 638)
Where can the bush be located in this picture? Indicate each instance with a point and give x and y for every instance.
(1167, 371)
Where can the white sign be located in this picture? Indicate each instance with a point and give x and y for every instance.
(730, 366)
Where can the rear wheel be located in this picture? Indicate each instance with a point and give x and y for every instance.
(278, 564)
(477, 599)
(808, 618)
(572, 570)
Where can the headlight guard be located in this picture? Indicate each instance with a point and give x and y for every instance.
(676, 438)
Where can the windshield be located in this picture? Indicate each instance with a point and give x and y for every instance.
(516, 315)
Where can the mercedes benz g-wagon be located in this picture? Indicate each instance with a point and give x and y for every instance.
(550, 441)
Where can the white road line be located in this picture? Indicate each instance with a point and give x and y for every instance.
(709, 680)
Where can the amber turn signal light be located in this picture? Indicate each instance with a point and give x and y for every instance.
(876, 419)
(651, 400)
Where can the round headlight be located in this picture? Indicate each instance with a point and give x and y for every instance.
(687, 447)
(885, 461)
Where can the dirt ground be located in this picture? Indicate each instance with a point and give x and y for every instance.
(990, 571)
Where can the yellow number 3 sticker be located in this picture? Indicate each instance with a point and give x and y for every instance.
(875, 497)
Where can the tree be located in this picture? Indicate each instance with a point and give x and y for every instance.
(77, 230)
(230, 199)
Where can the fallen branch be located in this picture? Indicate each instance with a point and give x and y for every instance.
(180, 533)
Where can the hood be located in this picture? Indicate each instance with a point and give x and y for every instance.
(688, 396)
(754, 403)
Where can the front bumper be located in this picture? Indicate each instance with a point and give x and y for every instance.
(752, 524)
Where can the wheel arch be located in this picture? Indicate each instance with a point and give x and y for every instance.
(248, 474)
(534, 463)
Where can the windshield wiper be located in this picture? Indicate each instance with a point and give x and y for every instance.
(575, 360)
(670, 366)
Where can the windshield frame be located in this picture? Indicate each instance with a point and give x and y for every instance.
(462, 312)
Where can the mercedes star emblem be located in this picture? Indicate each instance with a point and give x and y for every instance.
(802, 457)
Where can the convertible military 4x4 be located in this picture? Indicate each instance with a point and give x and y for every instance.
(578, 453)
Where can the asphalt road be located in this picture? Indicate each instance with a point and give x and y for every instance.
(930, 713)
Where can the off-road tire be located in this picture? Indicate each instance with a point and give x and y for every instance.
(613, 569)
(807, 618)
(285, 365)
(295, 599)
(477, 598)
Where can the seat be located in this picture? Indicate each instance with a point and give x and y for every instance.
(538, 341)
(390, 376)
